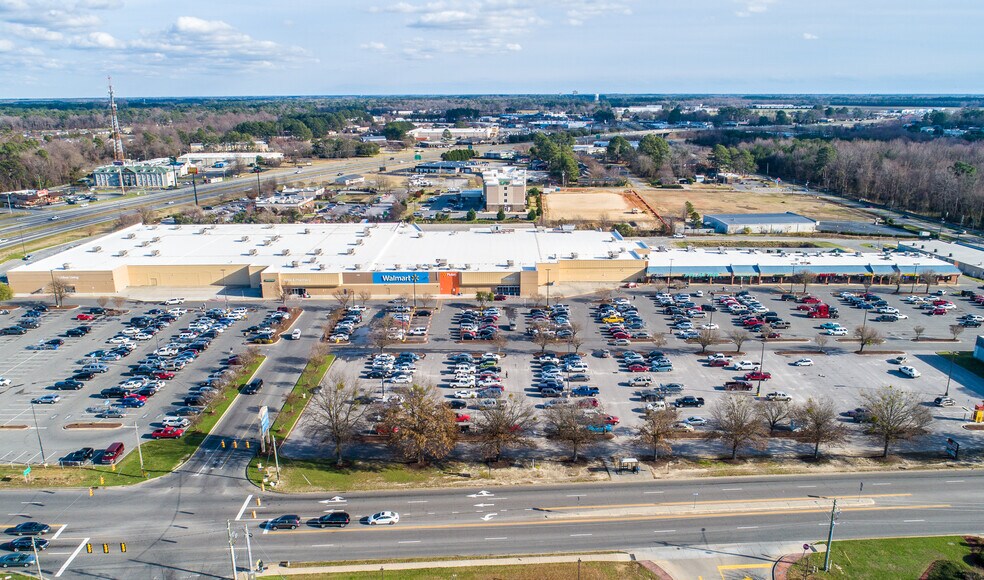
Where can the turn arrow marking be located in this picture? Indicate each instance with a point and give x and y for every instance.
(488, 517)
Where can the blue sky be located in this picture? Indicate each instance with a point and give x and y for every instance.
(66, 48)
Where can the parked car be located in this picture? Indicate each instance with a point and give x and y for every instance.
(910, 372)
(689, 401)
(778, 396)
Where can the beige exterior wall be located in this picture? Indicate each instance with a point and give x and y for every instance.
(591, 271)
(189, 276)
(85, 282)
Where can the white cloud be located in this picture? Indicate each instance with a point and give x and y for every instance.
(98, 40)
(373, 45)
(810, 36)
(6, 45)
(35, 33)
(580, 11)
(750, 7)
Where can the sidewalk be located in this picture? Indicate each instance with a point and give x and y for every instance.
(278, 570)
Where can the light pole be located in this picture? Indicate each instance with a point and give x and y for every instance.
(765, 331)
(949, 374)
(669, 274)
(40, 445)
(136, 433)
(915, 275)
(830, 531)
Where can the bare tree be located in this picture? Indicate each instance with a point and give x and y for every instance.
(736, 423)
(569, 423)
(867, 280)
(896, 279)
(119, 302)
(956, 330)
(499, 341)
(918, 330)
(102, 301)
(929, 278)
(706, 338)
(426, 300)
(380, 337)
(819, 424)
(659, 339)
(867, 335)
(342, 297)
(365, 296)
(774, 412)
(59, 289)
(505, 426)
(821, 340)
(655, 431)
(738, 337)
(805, 278)
(423, 428)
(339, 412)
(541, 337)
(897, 415)
(537, 299)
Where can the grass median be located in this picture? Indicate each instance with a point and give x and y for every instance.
(552, 571)
(312, 375)
(160, 456)
(892, 559)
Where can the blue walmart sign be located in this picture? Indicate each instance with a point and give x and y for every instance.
(401, 277)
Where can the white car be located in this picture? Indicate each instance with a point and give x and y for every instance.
(4, 382)
(176, 422)
(836, 332)
(778, 396)
(177, 311)
(383, 518)
(910, 372)
(683, 426)
(119, 340)
(709, 326)
(466, 394)
(173, 301)
(803, 362)
(901, 316)
(745, 365)
(417, 331)
(400, 379)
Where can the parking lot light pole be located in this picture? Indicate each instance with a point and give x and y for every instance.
(949, 374)
(136, 433)
(830, 531)
(40, 445)
(915, 275)
(758, 390)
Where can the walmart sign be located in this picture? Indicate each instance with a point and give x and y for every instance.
(401, 277)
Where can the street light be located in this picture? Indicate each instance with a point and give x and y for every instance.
(949, 374)
(40, 445)
(915, 275)
(830, 531)
(669, 274)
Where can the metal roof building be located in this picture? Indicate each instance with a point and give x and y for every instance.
(760, 223)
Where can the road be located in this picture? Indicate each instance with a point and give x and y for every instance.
(13, 230)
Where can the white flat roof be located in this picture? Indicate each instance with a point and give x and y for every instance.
(373, 247)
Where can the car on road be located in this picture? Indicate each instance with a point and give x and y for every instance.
(17, 560)
(288, 522)
(50, 399)
(689, 401)
(910, 372)
(383, 518)
(29, 529)
(778, 396)
(167, 432)
(27, 544)
(803, 362)
(173, 301)
(333, 520)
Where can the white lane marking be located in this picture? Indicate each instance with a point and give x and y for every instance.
(747, 527)
(243, 509)
(408, 542)
(805, 486)
(663, 531)
(488, 517)
(912, 521)
(322, 545)
(881, 484)
(266, 530)
(955, 481)
(579, 535)
(648, 492)
(418, 501)
(731, 489)
(576, 495)
(72, 557)
(501, 538)
(58, 533)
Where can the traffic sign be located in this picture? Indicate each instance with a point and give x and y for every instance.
(264, 419)
(27, 471)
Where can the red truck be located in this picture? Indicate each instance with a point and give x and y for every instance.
(822, 311)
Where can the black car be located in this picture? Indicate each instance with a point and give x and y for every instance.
(195, 401)
(113, 393)
(253, 387)
(97, 310)
(55, 342)
(68, 385)
(30, 323)
(457, 404)
(79, 457)
(83, 376)
(187, 411)
(76, 332)
(289, 522)
(689, 401)
(28, 544)
(40, 307)
(30, 529)
(338, 519)
(14, 330)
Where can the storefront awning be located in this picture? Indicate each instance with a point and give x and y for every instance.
(776, 270)
(881, 269)
(748, 270)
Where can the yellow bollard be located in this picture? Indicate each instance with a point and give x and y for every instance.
(257, 502)
(254, 514)
(123, 547)
(88, 548)
(91, 493)
(247, 444)
(223, 443)
(113, 467)
(102, 480)
(105, 548)
(262, 488)
(235, 445)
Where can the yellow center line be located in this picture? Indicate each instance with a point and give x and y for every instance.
(723, 501)
(493, 524)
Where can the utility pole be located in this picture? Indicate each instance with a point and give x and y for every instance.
(194, 186)
(232, 550)
(249, 550)
(37, 560)
(40, 445)
(136, 433)
(276, 460)
(830, 531)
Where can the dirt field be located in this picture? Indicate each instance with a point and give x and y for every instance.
(592, 205)
(712, 199)
(597, 204)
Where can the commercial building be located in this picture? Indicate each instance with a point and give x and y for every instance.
(454, 133)
(135, 175)
(389, 259)
(447, 167)
(28, 197)
(964, 255)
(760, 223)
(504, 189)
(349, 180)
(209, 159)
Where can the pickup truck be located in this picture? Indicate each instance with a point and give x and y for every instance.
(689, 401)
(737, 386)
(780, 324)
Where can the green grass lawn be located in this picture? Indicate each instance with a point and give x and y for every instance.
(160, 456)
(888, 559)
(560, 571)
(966, 360)
(299, 396)
(306, 476)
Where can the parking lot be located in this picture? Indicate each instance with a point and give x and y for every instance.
(33, 374)
(840, 374)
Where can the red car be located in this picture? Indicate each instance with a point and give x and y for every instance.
(757, 376)
(752, 322)
(168, 433)
(811, 300)
(462, 417)
(804, 307)
(85, 317)
(588, 402)
(938, 312)
(140, 398)
(500, 297)
(773, 335)
(719, 362)
(164, 375)
(610, 420)
(638, 368)
(619, 335)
